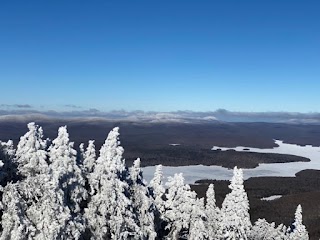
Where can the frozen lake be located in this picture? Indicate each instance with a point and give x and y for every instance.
(196, 172)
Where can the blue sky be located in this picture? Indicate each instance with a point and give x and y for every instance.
(163, 55)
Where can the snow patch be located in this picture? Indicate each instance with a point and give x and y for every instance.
(174, 144)
(274, 197)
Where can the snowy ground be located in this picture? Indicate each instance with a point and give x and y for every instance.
(193, 173)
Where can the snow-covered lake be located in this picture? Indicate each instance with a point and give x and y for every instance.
(271, 198)
(196, 172)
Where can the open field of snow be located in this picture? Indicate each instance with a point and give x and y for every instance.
(193, 173)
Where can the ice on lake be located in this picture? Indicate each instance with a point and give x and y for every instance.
(196, 172)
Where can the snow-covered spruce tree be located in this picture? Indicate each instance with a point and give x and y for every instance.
(262, 230)
(235, 210)
(179, 206)
(38, 206)
(66, 173)
(157, 191)
(31, 152)
(298, 231)
(143, 204)
(34, 208)
(8, 148)
(15, 223)
(197, 229)
(81, 154)
(213, 222)
(110, 212)
(89, 158)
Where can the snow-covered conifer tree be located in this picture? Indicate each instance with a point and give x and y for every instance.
(298, 231)
(198, 229)
(179, 206)
(235, 210)
(262, 230)
(157, 191)
(34, 208)
(157, 188)
(89, 158)
(31, 152)
(143, 204)
(213, 222)
(15, 223)
(110, 213)
(65, 170)
(8, 148)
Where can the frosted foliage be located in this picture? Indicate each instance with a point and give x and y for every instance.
(81, 151)
(198, 230)
(299, 230)
(179, 205)
(109, 212)
(142, 203)
(89, 157)
(213, 215)
(65, 170)
(34, 209)
(31, 155)
(262, 230)
(14, 222)
(157, 189)
(111, 152)
(235, 209)
(8, 148)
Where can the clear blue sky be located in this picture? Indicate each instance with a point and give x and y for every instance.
(161, 55)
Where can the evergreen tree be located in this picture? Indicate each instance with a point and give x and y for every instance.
(89, 158)
(198, 229)
(262, 230)
(213, 222)
(298, 231)
(179, 207)
(65, 171)
(15, 223)
(157, 191)
(110, 213)
(235, 210)
(31, 154)
(34, 208)
(142, 202)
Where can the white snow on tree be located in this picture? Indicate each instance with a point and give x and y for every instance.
(157, 191)
(31, 152)
(213, 222)
(262, 230)
(8, 148)
(235, 210)
(298, 231)
(15, 223)
(179, 206)
(143, 204)
(65, 170)
(81, 154)
(198, 229)
(35, 209)
(89, 158)
(110, 212)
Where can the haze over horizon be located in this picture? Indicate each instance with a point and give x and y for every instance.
(161, 56)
